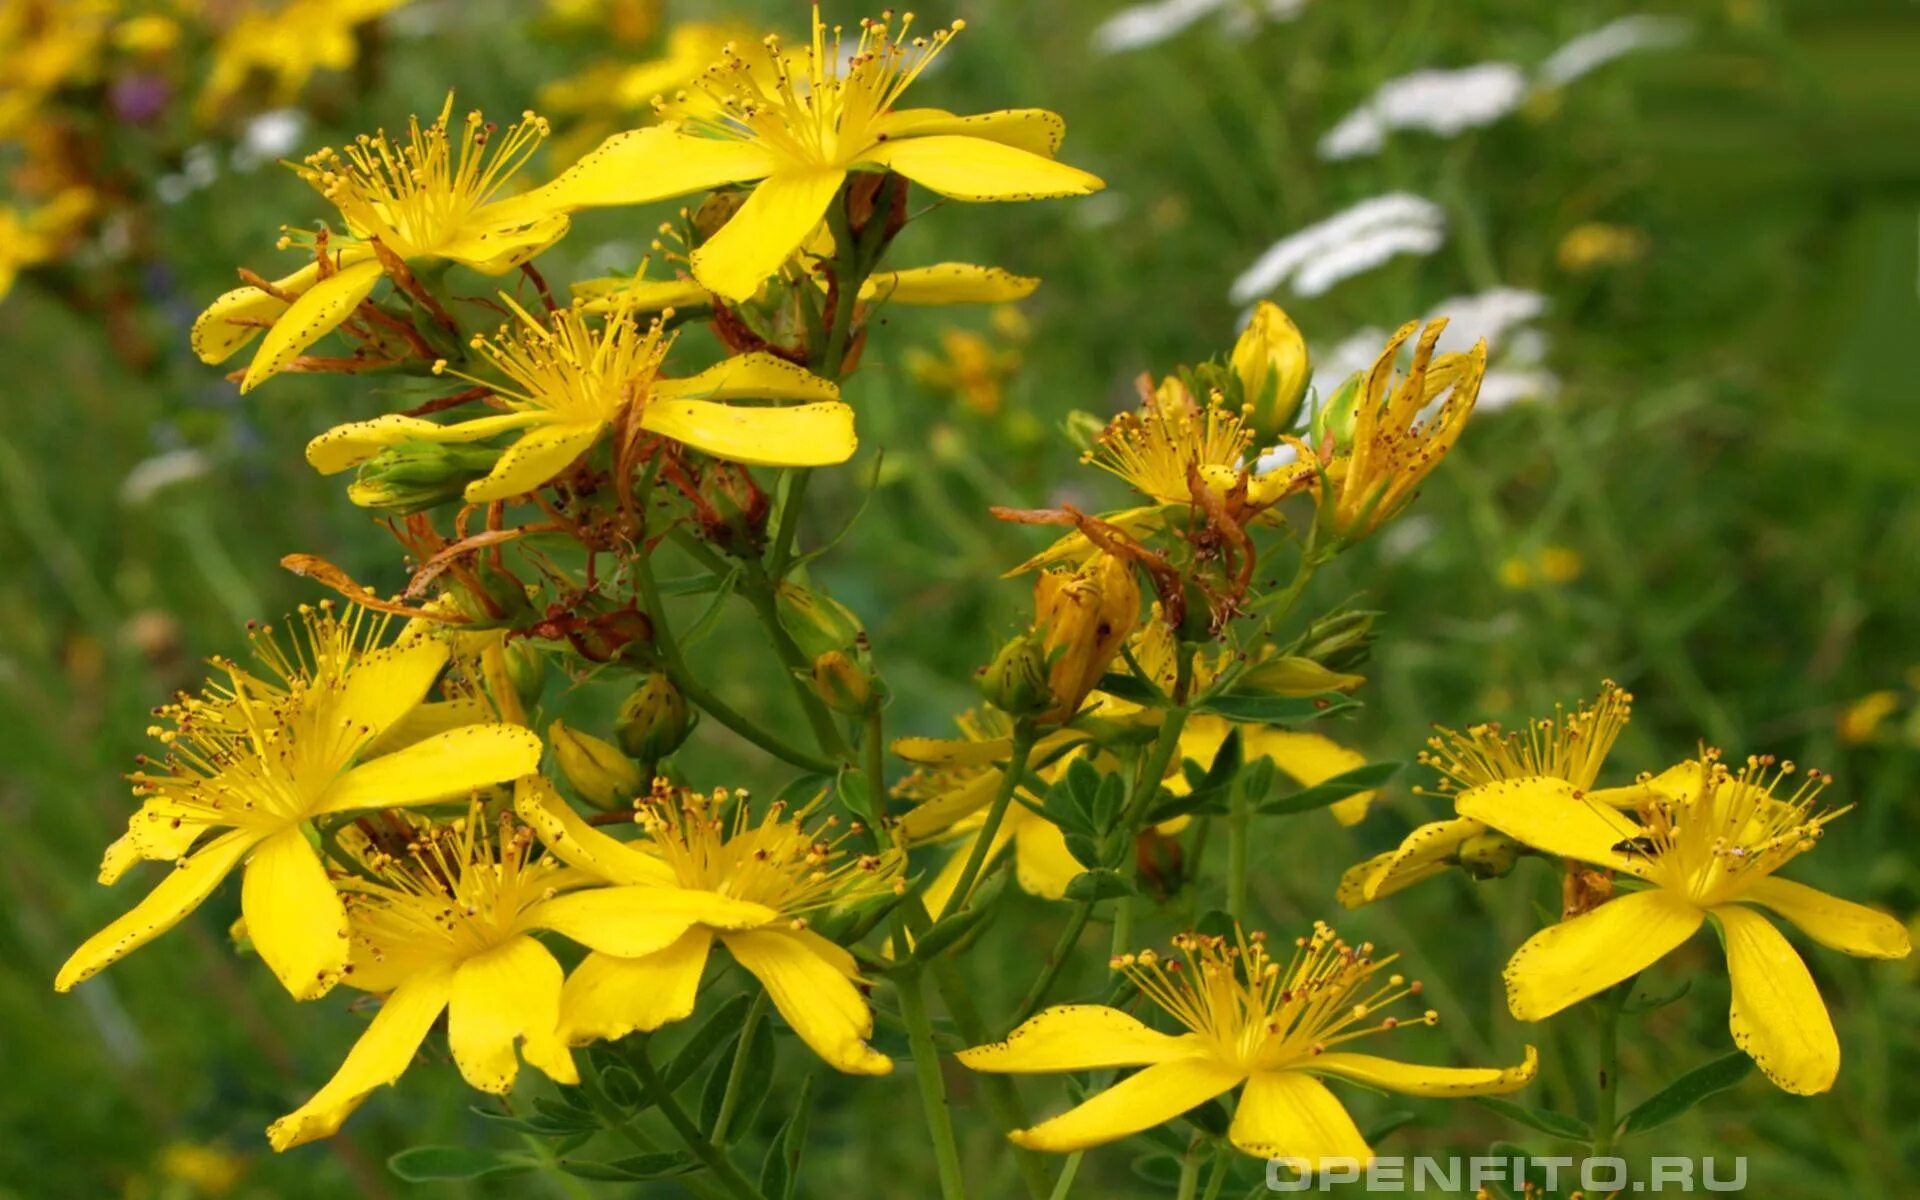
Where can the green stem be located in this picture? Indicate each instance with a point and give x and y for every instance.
(1003, 1098)
(1217, 1178)
(758, 589)
(714, 1158)
(933, 1095)
(1056, 961)
(872, 749)
(736, 1077)
(1189, 1177)
(1239, 819)
(781, 556)
(1146, 786)
(1067, 1173)
(1606, 1100)
(616, 1122)
(983, 842)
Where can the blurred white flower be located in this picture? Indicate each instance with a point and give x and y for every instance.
(1438, 101)
(1150, 24)
(1616, 39)
(150, 476)
(1345, 244)
(267, 137)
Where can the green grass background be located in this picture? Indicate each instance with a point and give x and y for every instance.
(1733, 455)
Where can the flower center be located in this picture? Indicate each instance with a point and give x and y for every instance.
(1734, 831)
(1154, 449)
(453, 890)
(1568, 745)
(570, 368)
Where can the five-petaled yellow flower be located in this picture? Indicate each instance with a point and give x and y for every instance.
(796, 131)
(251, 762)
(1708, 852)
(434, 197)
(446, 924)
(571, 380)
(1251, 1020)
(715, 873)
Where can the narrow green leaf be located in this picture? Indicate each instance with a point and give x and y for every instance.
(1276, 710)
(1682, 1094)
(719, 1029)
(1545, 1120)
(1097, 885)
(1350, 783)
(628, 1170)
(434, 1164)
(780, 1173)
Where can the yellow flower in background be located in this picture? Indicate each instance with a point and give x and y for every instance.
(1390, 447)
(287, 45)
(1570, 747)
(715, 873)
(969, 367)
(1709, 853)
(1549, 565)
(432, 197)
(571, 381)
(796, 131)
(1860, 721)
(690, 48)
(624, 20)
(446, 925)
(1597, 244)
(46, 45)
(30, 237)
(251, 762)
(1266, 1026)
(210, 1171)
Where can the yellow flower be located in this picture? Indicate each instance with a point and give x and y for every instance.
(1568, 746)
(1390, 448)
(1597, 244)
(432, 198)
(1249, 1020)
(287, 45)
(1548, 565)
(796, 132)
(208, 1170)
(1270, 360)
(251, 762)
(447, 925)
(572, 381)
(1711, 852)
(30, 237)
(46, 45)
(1859, 721)
(1083, 617)
(714, 872)
(691, 47)
(969, 367)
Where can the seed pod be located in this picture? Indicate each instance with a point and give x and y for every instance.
(654, 720)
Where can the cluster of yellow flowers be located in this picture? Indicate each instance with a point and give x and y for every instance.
(377, 777)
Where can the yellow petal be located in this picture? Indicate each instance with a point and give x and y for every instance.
(1422, 854)
(156, 833)
(539, 455)
(1778, 1017)
(931, 816)
(1042, 863)
(426, 720)
(317, 312)
(952, 752)
(379, 1057)
(814, 994)
(609, 997)
(579, 844)
(971, 168)
(808, 435)
(444, 766)
(948, 283)
(1835, 923)
(172, 899)
(350, 445)
(294, 917)
(388, 683)
(509, 992)
(765, 232)
(1293, 1117)
(640, 166)
(754, 376)
(612, 292)
(1077, 1037)
(226, 325)
(1416, 1079)
(494, 248)
(1156, 1095)
(636, 920)
(1034, 130)
(1075, 548)
(1548, 814)
(1309, 759)
(1565, 963)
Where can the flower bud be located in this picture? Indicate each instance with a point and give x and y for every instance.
(1295, 675)
(414, 476)
(492, 596)
(732, 507)
(1270, 360)
(815, 621)
(1015, 682)
(1083, 617)
(1083, 429)
(1335, 417)
(604, 777)
(654, 720)
(526, 670)
(844, 684)
(1340, 641)
(1489, 855)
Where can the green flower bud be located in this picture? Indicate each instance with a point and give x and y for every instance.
(604, 777)
(815, 621)
(526, 671)
(1340, 642)
(654, 721)
(1336, 414)
(501, 599)
(1083, 429)
(1489, 855)
(413, 476)
(1015, 682)
(844, 684)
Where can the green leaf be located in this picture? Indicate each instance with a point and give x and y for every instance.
(1074, 799)
(857, 794)
(1349, 783)
(1276, 710)
(536, 1124)
(710, 616)
(1682, 1094)
(435, 1164)
(1098, 885)
(1646, 1002)
(754, 1081)
(627, 1170)
(1161, 1170)
(1084, 848)
(1131, 688)
(1393, 1122)
(719, 1029)
(780, 1173)
(949, 930)
(1545, 1120)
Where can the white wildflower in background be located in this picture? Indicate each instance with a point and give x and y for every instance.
(1437, 101)
(1611, 41)
(269, 137)
(1352, 241)
(1150, 24)
(150, 476)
